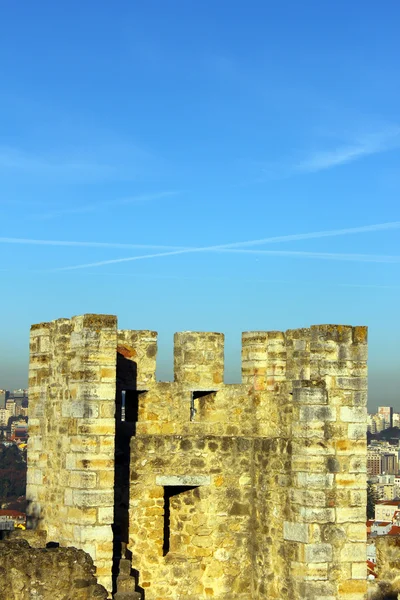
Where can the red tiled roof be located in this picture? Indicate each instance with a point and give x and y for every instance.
(11, 513)
(370, 522)
(389, 502)
(371, 568)
(394, 531)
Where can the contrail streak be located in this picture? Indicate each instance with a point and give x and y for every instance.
(7, 240)
(269, 240)
(292, 253)
(286, 238)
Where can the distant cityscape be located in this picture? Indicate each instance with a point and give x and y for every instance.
(13, 441)
(383, 453)
(14, 415)
(383, 493)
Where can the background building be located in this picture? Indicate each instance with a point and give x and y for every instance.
(4, 394)
(386, 412)
(373, 461)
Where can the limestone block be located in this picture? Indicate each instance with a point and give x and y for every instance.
(352, 383)
(87, 533)
(308, 497)
(357, 431)
(317, 413)
(356, 447)
(318, 553)
(352, 589)
(310, 571)
(105, 515)
(82, 479)
(353, 415)
(353, 514)
(319, 515)
(358, 464)
(81, 445)
(351, 480)
(295, 532)
(353, 552)
(87, 516)
(312, 394)
(96, 427)
(356, 532)
(92, 462)
(183, 480)
(311, 590)
(359, 570)
(360, 398)
(80, 409)
(358, 498)
(100, 498)
(315, 480)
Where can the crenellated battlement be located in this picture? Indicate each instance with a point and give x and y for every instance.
(258, 487)
(268, 357)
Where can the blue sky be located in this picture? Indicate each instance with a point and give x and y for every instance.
(155, 128)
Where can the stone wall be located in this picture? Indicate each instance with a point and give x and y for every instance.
(70, 481)
(252, 491)
(46, 573)
(300, 486)
(326, 532)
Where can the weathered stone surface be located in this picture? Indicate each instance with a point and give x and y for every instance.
(247, 491)
(183, 480)
(47, 573)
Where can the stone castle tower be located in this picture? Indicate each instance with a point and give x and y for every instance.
(245, 491)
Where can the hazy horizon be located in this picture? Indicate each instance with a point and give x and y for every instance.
(383, 382)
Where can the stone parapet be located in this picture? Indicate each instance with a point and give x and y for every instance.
(199, 360)
(139, 348)
(248, 491)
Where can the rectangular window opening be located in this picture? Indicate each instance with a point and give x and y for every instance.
(169, 492)
(129, 411)
(194, 404)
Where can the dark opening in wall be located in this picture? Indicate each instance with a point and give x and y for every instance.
(169, 492)
(127, 400)
(130, 406)
(194, 404)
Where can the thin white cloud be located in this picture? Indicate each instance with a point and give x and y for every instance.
(112, 161)
(33, 242)
(377, 258)
(365, 145)
(94, 207)
(246, 280)
(316, 234)
(316, 255)
(241, 245)
(17, 160)
(269, 240)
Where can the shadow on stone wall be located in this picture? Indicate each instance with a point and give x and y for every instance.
(126, 417)
(50, 573)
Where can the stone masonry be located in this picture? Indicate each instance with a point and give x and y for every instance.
(244, 491)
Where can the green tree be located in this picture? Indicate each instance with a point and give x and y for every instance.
(371, 501)
(12, 472)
